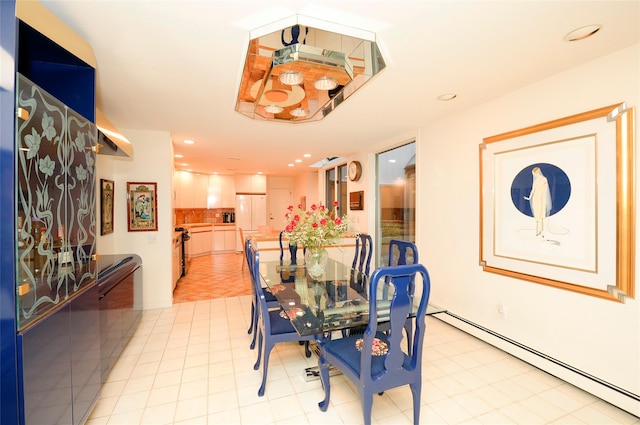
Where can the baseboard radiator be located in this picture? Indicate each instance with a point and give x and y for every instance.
(607, 391)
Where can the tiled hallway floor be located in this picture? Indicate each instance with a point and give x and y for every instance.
(191, 364)
(199, 283)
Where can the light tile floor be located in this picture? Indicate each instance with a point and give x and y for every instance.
(191, 364)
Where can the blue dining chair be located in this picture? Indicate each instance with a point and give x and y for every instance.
(373, 374)
(293, 250)
(270, 299)
(362, 257)
(272, 327)
(401, 253)
(360, 266)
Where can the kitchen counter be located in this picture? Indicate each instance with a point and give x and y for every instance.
(269, 246)
(199, 225)
(195, 225)
(275, 236)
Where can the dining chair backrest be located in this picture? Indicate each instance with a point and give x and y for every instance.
(402, 253)
(254, 267)
(244, 248)
(247, 253)
(293, 250)
(362, 257)
(373, 373)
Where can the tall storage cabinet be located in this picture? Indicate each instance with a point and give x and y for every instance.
(57, 320)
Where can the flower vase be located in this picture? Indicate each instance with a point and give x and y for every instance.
(315, 259)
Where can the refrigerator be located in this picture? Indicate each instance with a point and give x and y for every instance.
(251, 212)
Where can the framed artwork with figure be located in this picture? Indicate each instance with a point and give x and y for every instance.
(557, 201)
(142, 211)
(107, 188)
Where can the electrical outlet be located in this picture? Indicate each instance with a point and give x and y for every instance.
(502, 311)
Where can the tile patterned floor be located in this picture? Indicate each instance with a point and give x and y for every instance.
(199, 283)
(191, 364)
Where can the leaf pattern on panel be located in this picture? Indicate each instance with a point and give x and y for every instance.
(56, 201)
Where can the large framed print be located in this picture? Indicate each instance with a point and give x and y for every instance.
(106, 206)
(557, 203)
(142, 213)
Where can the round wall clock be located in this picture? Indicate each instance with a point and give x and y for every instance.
(354, 171)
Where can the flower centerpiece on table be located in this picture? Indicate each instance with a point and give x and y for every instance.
(315, 229)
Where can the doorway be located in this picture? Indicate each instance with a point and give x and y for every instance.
(396, 208)
(278, 201)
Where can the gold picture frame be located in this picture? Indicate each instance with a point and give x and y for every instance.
(107, 189)
(142, 211)
(557, 203)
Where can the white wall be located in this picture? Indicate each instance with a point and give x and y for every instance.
(599, 337)
(152, 162)
(306, 185)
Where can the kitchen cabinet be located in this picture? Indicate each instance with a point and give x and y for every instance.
(251, 183)
(191, 189)
(224, 238)
(221, 192)
(201, 241)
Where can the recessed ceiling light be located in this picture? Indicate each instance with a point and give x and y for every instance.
(273, 109)
(298, 112)
(582, 33)
(179, 156)
(393, 161)
(259, 172)
(298, 160)
(189, 142)
(291, 78)
(447, 96)
(184, 164)
(307, 155)
(325, 83)
(290, 165)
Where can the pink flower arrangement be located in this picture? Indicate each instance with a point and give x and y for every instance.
(379, 347)
(316, 227)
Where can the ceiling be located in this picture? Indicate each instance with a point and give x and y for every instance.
(175, 66)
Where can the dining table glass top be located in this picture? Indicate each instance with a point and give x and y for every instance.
(337, 300)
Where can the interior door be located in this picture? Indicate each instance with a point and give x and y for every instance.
(279, 201)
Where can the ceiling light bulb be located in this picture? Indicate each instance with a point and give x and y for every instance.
(298, 112)
(447, 96)
(291, 78)
(325, 83)
(582, 32)
(273, 109)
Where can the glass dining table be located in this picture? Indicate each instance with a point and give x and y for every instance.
(338, 300)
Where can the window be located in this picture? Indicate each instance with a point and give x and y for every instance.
(336, 188)
(396, 185)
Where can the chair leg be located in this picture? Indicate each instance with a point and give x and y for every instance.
(367, 403)
(307, 351)
(323, 367)
(415, 391)
(265, 367)
(254, 324)
(253, 309)
(257, 363)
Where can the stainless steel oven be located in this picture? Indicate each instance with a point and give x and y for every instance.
(185, 258)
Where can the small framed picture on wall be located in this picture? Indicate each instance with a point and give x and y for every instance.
(142, 212)
(106, 206)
